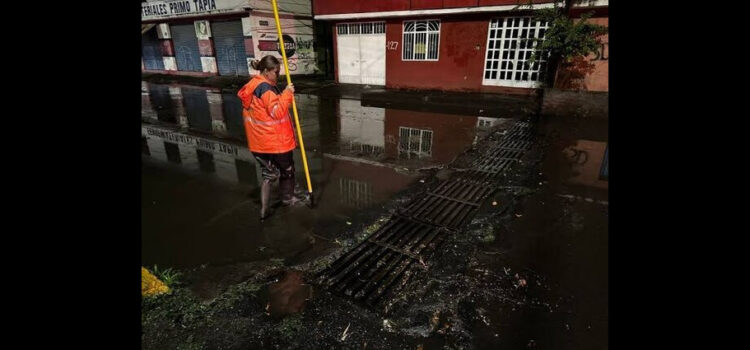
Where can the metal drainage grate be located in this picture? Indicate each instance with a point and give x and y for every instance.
(449, 205)
(478, 177)
(515, 145)
(496, 165)
(383, 264)
(520, 136)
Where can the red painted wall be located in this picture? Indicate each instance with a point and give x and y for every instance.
(328, 7)
(451, 134)
(426, 4)
(206, 47)
(460, 3)
(167, 47)
(460, 57)
(508, 2)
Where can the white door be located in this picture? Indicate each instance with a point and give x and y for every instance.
(348, 48)
(361, 53)
(372, 59)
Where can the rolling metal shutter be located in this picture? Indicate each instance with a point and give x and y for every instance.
(230, 48)
(186, 48)
(151, 53)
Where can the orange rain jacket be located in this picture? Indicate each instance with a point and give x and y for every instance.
(266, 117)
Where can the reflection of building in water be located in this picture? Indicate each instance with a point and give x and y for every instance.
(230, 162)
(210, 111)
(414, 143)
(439, 137)
(356, 194)
(485, 123)
(361, 128)
(360, 183)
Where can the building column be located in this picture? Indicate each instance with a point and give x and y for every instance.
(249, 48)
(156, 148)
(216, 108)
(175, 93)
(226, 168)
(189, 156)
(147, 110)
(206, 46)
(167, 47)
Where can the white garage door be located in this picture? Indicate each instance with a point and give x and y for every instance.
(361, 53)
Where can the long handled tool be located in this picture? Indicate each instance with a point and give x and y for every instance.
(294, 104)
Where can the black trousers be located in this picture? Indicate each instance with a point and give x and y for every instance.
(275, 165)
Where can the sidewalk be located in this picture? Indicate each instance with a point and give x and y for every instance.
(467, 103)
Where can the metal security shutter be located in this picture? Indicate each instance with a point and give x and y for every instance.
(196, 108)
(230, 48)
(151, 53)
(186, 48)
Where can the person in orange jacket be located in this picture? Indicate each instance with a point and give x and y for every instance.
(270, 131)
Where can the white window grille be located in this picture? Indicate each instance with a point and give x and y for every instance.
(509, 47)
(355, 193)
(360, 28)
(421, 40)
(362, 148)
(414, 142)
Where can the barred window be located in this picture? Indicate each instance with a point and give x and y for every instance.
(509, 47)
(353, 193)
(421, 40)
(360, 28)
(414, 142)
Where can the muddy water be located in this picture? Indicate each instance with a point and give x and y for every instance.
(200, 183)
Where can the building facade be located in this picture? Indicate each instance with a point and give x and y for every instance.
(459, 45)
(222, 37)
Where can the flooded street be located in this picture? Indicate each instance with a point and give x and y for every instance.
(528, 271)
(200, 183)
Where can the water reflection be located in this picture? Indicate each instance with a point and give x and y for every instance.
(196, 161)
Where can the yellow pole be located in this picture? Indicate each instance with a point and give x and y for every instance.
(294, 104)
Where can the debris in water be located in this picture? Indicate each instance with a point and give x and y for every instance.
(434, 320)
(522, 283)
(343, 336)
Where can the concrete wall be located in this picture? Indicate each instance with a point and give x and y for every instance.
(564, 103)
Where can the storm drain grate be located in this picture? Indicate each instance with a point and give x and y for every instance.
(478, 177)
(449, 205)
(514, 145)
(497, 165)
(520, 136)
(384, 262)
